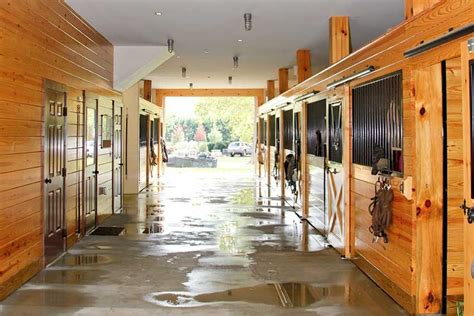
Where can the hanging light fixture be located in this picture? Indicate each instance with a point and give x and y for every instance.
(170, 45)
(248, 21)
(236, 61)
(190, 85)
(230, 79)
(183, 72)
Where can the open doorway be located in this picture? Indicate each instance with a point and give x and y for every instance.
(211, 135)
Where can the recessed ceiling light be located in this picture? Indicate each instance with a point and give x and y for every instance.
(206, 51)
(158, 13)
(178, 56)
(239, 40)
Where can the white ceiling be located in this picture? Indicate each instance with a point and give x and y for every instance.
(280, 27)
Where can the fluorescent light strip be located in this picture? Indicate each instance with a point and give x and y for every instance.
(306, 96)
(351, 77)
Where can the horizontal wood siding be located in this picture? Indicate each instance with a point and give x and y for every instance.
(42, 39)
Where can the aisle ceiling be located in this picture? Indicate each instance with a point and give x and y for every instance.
(280, 27)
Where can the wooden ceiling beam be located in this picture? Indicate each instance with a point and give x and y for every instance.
(270, 89)
(413, 7)
(147, 90)
(282, 80)
(303, 63)
(162, 93)
(339, 38)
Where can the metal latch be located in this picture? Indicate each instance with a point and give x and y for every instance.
(468, 211)
(470, 45)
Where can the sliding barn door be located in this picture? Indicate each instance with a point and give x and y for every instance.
(117, 159)
(335, 177)
(55, 173)
(468, 157)
(91, 172)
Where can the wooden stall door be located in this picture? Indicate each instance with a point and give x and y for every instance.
(117, 162)
(467, 61)
(90, 178)
(55, 173)
(335, 177)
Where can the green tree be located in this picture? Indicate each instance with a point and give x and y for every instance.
(235, 113)
(215, 135)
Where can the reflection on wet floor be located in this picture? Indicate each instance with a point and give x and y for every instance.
(288, 295)
(201, 246)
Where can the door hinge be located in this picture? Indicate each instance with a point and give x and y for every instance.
(64, 172)
(64, 111)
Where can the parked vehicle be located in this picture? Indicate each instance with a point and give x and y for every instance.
(239, 148)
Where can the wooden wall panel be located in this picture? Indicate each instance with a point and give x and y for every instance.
(455, 182)
(40, 40)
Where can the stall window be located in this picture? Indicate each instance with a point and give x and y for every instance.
(288, 129)
(263, 130)
(277, 132)
(271, 122)
(316, 123)
(335, 131)
(377, 121)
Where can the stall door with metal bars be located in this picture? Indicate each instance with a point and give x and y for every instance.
(335, 177)
(117, 155)
(55, 173)
(90, 178)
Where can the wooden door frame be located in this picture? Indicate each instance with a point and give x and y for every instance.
(114, 105)
(51, 85)
(467, 60)
(88, 95)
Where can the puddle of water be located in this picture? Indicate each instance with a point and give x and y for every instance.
(81, 260)
(287, 295)
(144, 228)
(71, 276)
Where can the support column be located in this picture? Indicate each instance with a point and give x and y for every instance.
(304, 164)
(270, 89)
(339, 38)
(429, 191)
(282, 80)
(303, 62)
(147, 90)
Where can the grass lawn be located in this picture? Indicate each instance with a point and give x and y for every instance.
(225, 164)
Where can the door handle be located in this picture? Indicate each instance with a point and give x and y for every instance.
(468, 211)
(120, 164)
(48, 180)
(95, 172)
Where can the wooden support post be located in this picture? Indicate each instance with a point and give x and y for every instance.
(349, 217)
(413, 7)
(268, 152)
(282, 80)
(282, 157)
(303, 62)
(429, 189)
(339, 38)
(147, 90)
(304, 163)
(270, 89)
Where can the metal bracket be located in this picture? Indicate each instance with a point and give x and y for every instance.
(472, 269)
(470, 45)
(468, 211)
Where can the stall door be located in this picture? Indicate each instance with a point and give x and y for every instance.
(468, 203)
(117, 159)
(335, 178)
(90, 178)
(55, 172)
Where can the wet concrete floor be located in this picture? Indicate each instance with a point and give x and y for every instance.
(202, 245)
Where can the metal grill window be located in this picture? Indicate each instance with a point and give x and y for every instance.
(335, 131)
(277, 132)
(377, 121)
(263, 130)
(316, 123)
(271, 122)
(288, 129)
